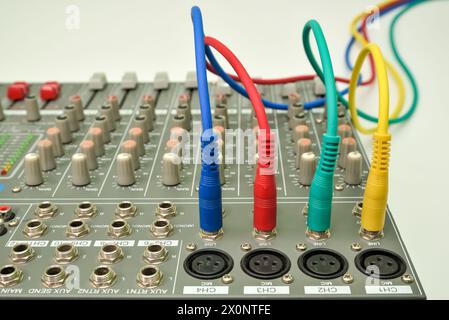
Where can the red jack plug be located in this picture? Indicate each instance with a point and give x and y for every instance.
(265, 188)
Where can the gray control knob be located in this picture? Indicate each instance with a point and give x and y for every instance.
(170, 169)
(353, 171)
(130, 146)
(46, 155)
(302, 146)
(295, 108)
(106, 110)
(180, 120)
(113, 101)
(80, 171)
(96, 135)
(79, 107)
(2, 115)
(70, 112)
(296, 120)
(344, 131)
(300, 131)
(220, 120)
(87, 147)
(136, 134)
(32, 109)
(62, 123)
(102, 123)
(140, 121)
(54, 135)
(32, 170)
(347, 145)
(147, 111)
(222, 110)
(125, 170)
(307, 166)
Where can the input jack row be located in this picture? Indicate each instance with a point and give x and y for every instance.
(78, 228)
(109, 253)
(123, 210)
(102, 276)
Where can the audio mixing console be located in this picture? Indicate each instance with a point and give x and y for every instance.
(94, 202)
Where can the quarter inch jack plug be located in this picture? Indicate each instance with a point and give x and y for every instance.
(376, 191)
(210, 203)
(265, 189)
(320, 199)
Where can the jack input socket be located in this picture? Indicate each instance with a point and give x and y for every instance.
(103, 277)
(46, 210)
(54, 277)
(149, 277)
(22, 253)
(161, 228)
(166, 210)
(34, 229)
(155, 254)
(77, 228)
(10, 276)
(110, 253)
(65, 253)
(125, 209)
(119, 228)
(86, 209)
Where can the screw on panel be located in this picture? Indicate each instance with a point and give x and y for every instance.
(16, 189)
(245, 246)
(301, 247)
(347, 278)
(339, 187)
(191, 247)
(227, 279)
(287, 278)
(319, 120)
(356, 246)
(14, 223)
(407, 278)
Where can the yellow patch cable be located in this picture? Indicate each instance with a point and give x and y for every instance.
(396, 76)
(376, 191)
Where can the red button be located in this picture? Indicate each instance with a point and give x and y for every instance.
(50, 90)
(17, 91)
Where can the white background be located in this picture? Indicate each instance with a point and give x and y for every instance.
(149, 36)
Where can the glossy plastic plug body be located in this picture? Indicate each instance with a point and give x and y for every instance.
(376, 191)
(265, 199)
(321, 190)
(210, 203)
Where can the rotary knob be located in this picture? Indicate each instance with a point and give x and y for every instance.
(307, 166)
(353, 171)
(136, 134)
(347, 145)
(80, 171)
(54, 135)
(170, 169)
(125, 170)
(32, 170)
(46, 155)
(32, 109)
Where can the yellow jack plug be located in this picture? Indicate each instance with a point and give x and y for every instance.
(376, 192)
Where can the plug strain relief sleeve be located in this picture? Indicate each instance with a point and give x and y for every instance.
(210, 203)
(321, 190)
(265, 202)
(376, 191)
